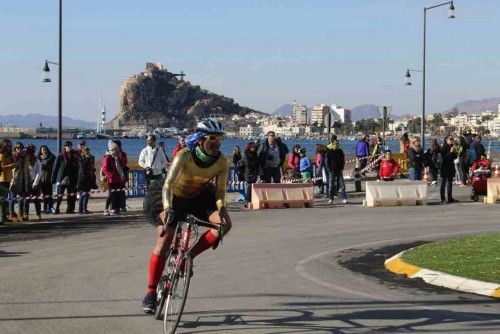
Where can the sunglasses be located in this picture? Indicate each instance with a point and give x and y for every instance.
(214, 138)
(19, 147)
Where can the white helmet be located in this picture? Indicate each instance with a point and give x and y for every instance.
(210, 125)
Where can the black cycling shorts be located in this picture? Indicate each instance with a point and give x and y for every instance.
(201, 206)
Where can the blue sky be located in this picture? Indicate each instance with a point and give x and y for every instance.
(262, 53)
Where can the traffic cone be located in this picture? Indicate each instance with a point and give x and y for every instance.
(427, 177)
(497, 171)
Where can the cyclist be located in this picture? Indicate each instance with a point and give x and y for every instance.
(188, 189)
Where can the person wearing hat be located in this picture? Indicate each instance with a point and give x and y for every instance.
(389, 168)
(65, 177)
(81, 146)
(196, 184)
(113, 169)
(153, 159)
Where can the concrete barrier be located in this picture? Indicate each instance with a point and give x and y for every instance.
(282, 195)
(396, 193)
(493, 190)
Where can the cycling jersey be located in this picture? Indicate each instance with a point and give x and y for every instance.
(187, 178)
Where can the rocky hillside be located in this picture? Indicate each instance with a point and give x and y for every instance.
(477, 106)
(159, 98)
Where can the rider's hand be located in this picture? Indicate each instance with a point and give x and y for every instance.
(164, 215)
(224, 218)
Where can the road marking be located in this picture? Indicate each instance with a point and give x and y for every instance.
(300, 266)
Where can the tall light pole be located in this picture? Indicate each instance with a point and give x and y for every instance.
(451, 15)
(46, 71)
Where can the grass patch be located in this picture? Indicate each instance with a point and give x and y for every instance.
(476, 257)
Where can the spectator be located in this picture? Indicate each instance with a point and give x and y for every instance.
(252, 166)
(389, 168)
(305, 166)
(320, 169)
(272, 155)
(81, 146)
(6, 170)
(404, 143)
(65, 176)
(477, 149)
(47, 159)
(86, 179)
(334, 164)
(375, 155)
(415, 159)
(161, 145)
(463, 166)
(20, 186)
(180, 145)
(124, 161)
(433, 160)
(449, 154)
(34, 169)
(362, 152)
(294, 162)
(113, 169)
(239, 166)
(152, 160)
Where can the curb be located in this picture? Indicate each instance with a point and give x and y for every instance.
(396, 265)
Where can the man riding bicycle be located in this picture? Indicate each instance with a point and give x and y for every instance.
(188, 189)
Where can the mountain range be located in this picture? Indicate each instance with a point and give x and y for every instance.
(34, 121)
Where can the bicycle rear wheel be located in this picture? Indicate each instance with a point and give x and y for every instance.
(176, 297)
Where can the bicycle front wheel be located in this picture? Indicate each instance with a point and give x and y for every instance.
(177, 295)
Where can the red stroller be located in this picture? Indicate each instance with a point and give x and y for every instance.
(481, 171)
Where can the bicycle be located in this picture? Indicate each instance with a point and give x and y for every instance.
(173, 287)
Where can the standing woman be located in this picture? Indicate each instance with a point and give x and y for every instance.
(35, 168)
(435, 161)
(320, 168)
(47, 159)
(6, 167)
(86, 179)
(21, 179)
(463, 166)
(237, 163)
(113, 170)
(415, 159)
(448, 154)
(252, 165)
(294, 162)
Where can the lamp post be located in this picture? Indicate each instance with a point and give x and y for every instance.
(451, 15)
(46, 71)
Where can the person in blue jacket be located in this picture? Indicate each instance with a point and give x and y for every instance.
(362, 151)
(305, 166)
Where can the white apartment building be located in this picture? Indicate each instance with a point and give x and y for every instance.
(318, 114)
(299, 113)
(340, 114)
(250, 131)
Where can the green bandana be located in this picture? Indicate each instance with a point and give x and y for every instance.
(205, 158)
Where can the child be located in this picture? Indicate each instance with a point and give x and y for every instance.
(305, 165)
(388, 167)
(482, 164)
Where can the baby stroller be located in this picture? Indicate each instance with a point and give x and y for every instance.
(481, 171)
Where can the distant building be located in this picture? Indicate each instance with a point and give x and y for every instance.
(318, 114)
(341, 114)
(299, 113)
(250, 131)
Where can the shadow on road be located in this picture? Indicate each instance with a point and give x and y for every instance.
(11, 254)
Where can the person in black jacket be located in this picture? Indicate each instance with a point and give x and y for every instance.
(47, 159)
(448, 155)
(272, 154)
(415, 159)
(334, 164)
(65, 176)
(86, 179)
(252, 166)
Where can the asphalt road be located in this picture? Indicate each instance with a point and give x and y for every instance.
(279, 271)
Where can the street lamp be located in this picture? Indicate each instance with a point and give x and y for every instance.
(451, 15)
(46, 73)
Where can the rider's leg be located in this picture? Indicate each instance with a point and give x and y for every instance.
(210, 237)
(158, 257)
